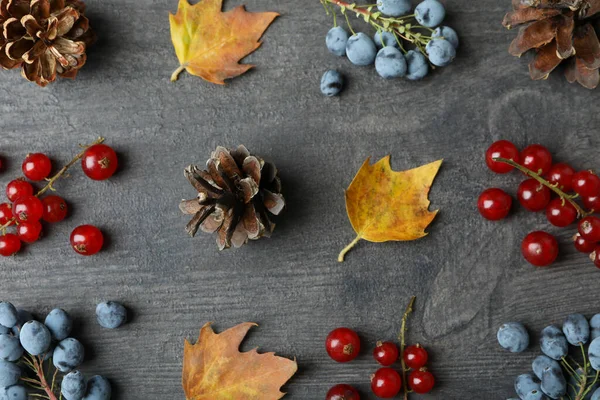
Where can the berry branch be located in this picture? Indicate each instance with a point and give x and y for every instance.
(36, 364)
(402, 340)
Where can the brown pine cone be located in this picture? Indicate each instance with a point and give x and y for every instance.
(236, 194)
(559, 30)
(45, 38)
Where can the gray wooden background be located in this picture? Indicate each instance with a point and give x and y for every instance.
(468, 273)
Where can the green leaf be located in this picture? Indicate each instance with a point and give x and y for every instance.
(401, 29)
(386, 24)
(342, 9)
(408, 26)
(352, 6)
(376, 15)
(367, 17)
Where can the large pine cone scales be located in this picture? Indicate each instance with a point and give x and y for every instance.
(559, 30)
(45, 38)
(236, 193)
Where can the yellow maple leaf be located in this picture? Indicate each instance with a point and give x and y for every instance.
(214, 368)
(210, 43)
(385, 205)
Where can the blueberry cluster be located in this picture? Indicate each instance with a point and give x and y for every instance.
(553, 374)
(387, 49)
(26, 345)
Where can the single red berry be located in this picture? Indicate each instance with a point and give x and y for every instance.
(595, 256)
(87, 240)
(561, 213)
(421, 381)
(415, 356)
(537, 158)
(342, 392)
(561, 174)
(539, 248)
(592, 203)
(55, 209)
(99, 162)
(342, 344)
(386, 353)
(36, 167)
(5, 213)
(582, 245)
(28, 208)
(586, 184)
(501, 149)
(533, 195)
(18, 188)
(386, 383)
(29, 231)
(9, 245)
(494, 204)
(589, 229)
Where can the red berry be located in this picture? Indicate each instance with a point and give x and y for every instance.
(36, 167)
(29, 232)
(561, 174)
(539, 248)
(494, 204)
(386, 383)
(533, 195)
(342, 392)
(9, 245)
(5, 213)
(586, 184)
(18, 188)
(386, 353)
(592, 203)
(415, 356)
(87, 240)
(421, 381)
(589, 229)
(55, 209)
(28, 208)
(595, 256)
(537, 158)
(99, 162)
(342, 344)
(582, 245)
(501, 149)
(561, 213)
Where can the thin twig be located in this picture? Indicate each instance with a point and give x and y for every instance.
(402, 340)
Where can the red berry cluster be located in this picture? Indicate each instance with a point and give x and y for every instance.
(343, 345)
(550, 187)
(25, 210)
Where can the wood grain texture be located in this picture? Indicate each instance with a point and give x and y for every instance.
(468, 274)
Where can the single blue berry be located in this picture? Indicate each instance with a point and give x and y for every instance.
(385, 38)
(361, 50)
(554, 384)
(9, 373)
(98, 388)
(394, 8)
(10, 347)
(332, 83)
(68, 355)
(336, 40)
(73, 386)
(595, 326)
(8, 314)
(15, 392)
(390, 63)
(576, 329)
(513, 337)
(35, 338)
(447, 33)
(59, 323)
(541, 363)
(430, 13)
(528, 387)
(594, 354)
(111, 314)
(553, 343)
(417, 64)
(440, 52)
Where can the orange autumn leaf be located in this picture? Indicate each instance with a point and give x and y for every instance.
(214, 368)
(210, 43)
(385, 205)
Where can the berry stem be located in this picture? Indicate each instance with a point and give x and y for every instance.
(36, 364)
(564, 196)
(402, 340)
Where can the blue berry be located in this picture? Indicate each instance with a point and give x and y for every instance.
(361, 50)
(528, 387)
(553, 343)
(98, 388)
(430, 13)
(332, 83)
(554, 384)
(111, 314)
(35, 338)
(10, 348)
(385, 38)
(73, 386)
(394, 8)
(596, 395)
(59, 323)
(68, 355)
(440, 52)
(417, 64)
(336, 40)
(15, 392)
(541, 363)
(595, 326)
(513, 337)
(9, 373)
(8, 314)
(390, 63)
(594, 354)
(447, 33)
(576, 329)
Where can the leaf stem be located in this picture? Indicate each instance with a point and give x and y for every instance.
(348, 248)
(402, 340)
(175, 74)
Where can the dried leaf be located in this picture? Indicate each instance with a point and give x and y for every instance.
(210, 43)
(524, 15)
(545, 61)
(533, 36)
(587, 47)
(214, 368)
(385, 205)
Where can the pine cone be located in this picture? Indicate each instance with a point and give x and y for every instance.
(559, 30)
(236, 193)
(44, 37)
